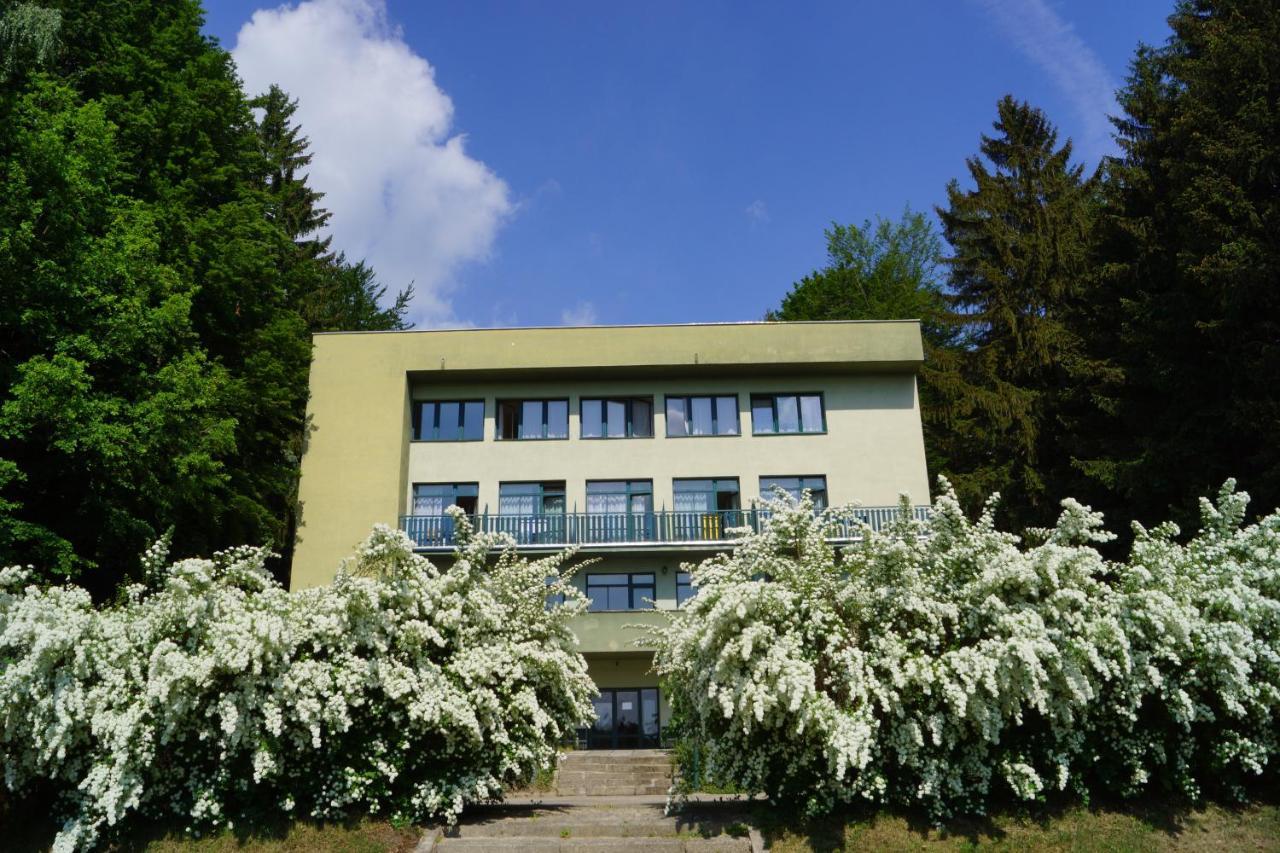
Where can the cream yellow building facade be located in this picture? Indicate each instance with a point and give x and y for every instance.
(640, 444)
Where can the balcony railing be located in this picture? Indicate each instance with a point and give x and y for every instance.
(605, 529)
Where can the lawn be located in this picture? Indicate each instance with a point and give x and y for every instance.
(1139, 827)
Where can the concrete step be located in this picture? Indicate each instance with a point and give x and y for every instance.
(660, 767)
(613, 790)
(634, 825)
(584, 777)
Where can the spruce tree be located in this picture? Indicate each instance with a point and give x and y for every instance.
(1018, 272)
(1191, 264)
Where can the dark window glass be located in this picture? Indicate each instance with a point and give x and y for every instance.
(787, 413)
(676, 424)
(620, 591)
(622, 417)
(762, 415)
(702, 416)
(592, 419)
(508, 419)
(532, 419)
(642, 418)
(532, 424)
(435, 498)
(812, 418)
(726, 415)
(649, 712)
(546, 498)
(685, 589)
(557, 419)
(795, 486)
(448, 420)
(706, 495)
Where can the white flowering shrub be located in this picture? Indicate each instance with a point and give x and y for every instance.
(212, 693)
(946, 664)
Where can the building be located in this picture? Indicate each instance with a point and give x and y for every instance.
(642, 444)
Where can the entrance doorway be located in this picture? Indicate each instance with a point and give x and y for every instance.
(626, 718)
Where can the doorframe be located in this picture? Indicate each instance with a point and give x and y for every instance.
(643, 741)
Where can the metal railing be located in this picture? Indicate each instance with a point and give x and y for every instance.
(661, 526)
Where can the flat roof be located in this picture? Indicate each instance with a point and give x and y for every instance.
(761, 346)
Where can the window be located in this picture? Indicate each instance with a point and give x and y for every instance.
(619, 511)
(525, 419)
(706, 495)
(448, 420)
(704, 509)
(619, 496)
(545, 498)
(554, 599)
(435, 498)
(627, 417)
(702, 416)
(619, 592)
(779, 414)
(794, 486)
(685, 589)
(531, 512)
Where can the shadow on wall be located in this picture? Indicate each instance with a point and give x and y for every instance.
(890, 391)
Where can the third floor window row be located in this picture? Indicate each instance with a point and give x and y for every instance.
(619, 417)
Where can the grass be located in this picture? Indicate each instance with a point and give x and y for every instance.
(1143, 826)
(357, 835)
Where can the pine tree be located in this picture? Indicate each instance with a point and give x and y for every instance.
(1191, 263)
(1018, 274)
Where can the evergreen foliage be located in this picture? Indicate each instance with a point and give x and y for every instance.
(1019, 266)
(159, 279)
(1189, 305)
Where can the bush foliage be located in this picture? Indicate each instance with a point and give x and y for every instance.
(947, 664)
(211, 693)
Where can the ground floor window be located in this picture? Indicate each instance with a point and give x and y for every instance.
(626, 718)
(620, 591)
(685, 588)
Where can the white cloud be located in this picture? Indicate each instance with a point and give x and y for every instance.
(404, 194)
(582, 314)
(1042, 35)
(757, 212)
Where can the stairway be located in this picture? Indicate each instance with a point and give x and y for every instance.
(588, 828)
(614, 773)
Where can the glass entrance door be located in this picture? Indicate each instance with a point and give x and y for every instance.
(626, 718)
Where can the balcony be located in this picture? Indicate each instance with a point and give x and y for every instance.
(629, 531)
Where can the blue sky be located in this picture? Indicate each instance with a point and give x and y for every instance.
(655, 162)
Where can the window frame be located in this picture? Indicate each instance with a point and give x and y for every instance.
(773, 396)
(766, 492)
(454, 490)
(541, 496)
(714, 491)
(520, 403)
(629, 417)
(686, 583)
(715, 420)
(415, 416)
(631, 587)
